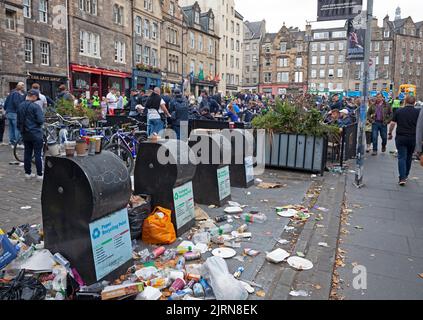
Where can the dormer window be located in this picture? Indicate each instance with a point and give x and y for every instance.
(197, 17)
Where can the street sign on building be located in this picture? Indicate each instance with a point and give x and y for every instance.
(328, 10)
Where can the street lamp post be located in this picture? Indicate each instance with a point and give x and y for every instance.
(365, 101)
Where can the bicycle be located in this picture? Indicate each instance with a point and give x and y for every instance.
(126, 145)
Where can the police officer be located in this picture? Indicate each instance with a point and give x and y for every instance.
(96, 103)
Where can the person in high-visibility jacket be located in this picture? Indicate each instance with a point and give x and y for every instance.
(95, 100)
(396, 105)
(83, 100)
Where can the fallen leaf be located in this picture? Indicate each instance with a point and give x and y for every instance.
(261, 293)
(317, 287)
(323, 244)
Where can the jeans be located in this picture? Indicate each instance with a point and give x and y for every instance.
(405, 147)
(2, 126)
(14, 134)
(33, 147)
(154, 126)
(383, 129)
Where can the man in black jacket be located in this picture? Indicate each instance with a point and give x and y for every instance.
(179, 110)
(30, 123)
(406, 121)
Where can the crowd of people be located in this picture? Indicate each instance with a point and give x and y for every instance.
(24, 112)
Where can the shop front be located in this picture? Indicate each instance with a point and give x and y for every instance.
(198, 85)
(171, 81)
(49, 83)
(144, 80)
(87, 80)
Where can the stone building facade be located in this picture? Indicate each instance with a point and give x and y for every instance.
(201, 50)
(229, 28)
(147, 33)
(100, 42)
(254, 33)
(45, 44)
(171, 44)
(12, 66)
(327, 55)
(284, 62)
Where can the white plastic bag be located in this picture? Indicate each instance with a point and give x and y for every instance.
(225, 286)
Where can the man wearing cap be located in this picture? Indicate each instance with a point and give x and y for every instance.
(134, 102)
(380, 116)
(30, 123)
(345, 119)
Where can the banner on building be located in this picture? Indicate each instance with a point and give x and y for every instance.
(328, 10)
(356, 40)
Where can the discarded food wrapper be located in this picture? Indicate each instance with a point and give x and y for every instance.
(300, 293)
(149, 293)
(247, 287)
(212, 206)
(321, 209)
(300, 254)
(261, 294)
(225, 253)
(26, 208)
(300, 263)
(323, 244)
(277, 256)
(266, 185)
(233, 204)
(287, 228)
(233, 210)
(251, 252)
(283, 241)
(113, 292)
(200, 214)
(257, 180)
(236, 234)
(201, 247)
(146, 273)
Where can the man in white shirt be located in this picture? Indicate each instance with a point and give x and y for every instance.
(112, 101)
(42, 102)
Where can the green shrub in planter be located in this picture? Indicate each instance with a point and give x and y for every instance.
(290, 119)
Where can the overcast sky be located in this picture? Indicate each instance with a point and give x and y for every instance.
(296, 12)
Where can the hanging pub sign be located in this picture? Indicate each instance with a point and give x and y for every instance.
(328, 10)
(356, 39)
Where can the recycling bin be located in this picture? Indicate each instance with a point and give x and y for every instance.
(242, 162)
(212, 184)
(164, 170)
(85, 217)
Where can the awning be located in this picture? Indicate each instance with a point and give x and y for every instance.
(110, 73)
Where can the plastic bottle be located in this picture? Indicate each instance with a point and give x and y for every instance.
(227, 228)
(207, 289)
(254, 218)
(198, 290)
(180, 265)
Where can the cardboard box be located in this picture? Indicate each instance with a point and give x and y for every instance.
(8, 251)
(114, 292)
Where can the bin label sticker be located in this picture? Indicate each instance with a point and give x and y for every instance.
(183, 197)
(224, 182)
(111, 242)
(249, 168)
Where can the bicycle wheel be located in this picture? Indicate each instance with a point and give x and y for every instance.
(124, 153)
(18, 153)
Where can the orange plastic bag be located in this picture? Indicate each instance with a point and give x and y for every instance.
(158, 227)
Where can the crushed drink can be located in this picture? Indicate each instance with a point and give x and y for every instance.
(191, 256)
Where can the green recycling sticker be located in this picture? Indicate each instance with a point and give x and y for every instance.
(224, 182)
